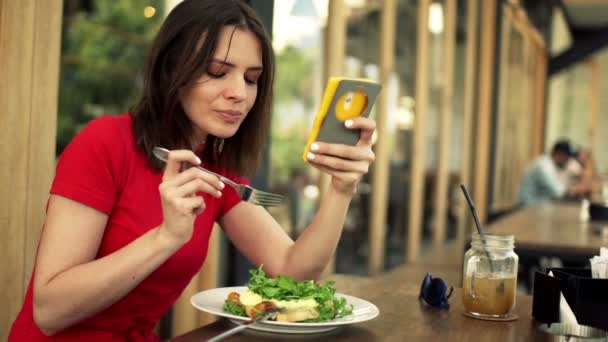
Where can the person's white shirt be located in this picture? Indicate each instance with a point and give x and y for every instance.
(570, 174)
(542, 182)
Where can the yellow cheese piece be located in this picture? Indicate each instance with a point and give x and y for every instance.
(294, 310)
(250, 298)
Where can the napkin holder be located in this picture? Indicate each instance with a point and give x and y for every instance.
(587, 297)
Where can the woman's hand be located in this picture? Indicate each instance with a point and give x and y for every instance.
(178, 193)
(345, 163)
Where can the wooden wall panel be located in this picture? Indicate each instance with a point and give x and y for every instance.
(377, 231)
(594, 99)
(539, 104)
(507, 45)
(29, 61)
(485, 98)
(521, 105)
(445, 123)
(416, 195)
(469, 107)
(43, 122)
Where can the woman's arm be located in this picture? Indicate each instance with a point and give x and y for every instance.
(71, 285)
(260, 238)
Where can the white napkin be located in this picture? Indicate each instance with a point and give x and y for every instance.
(566, 316)
(599, 264)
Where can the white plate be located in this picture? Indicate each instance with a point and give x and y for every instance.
(212, 301)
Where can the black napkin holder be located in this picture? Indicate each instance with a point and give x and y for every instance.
(587, 297)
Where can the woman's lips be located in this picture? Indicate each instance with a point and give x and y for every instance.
(230, 115)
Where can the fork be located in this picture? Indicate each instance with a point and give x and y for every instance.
(245, 192)
(267, 315)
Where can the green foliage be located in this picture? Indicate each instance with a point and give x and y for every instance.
(102, 58)
(294, 76)
(293, 84)
(286, 150)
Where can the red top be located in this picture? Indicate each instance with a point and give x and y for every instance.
(103, 169)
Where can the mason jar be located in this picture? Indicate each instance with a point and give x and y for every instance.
(490, 277)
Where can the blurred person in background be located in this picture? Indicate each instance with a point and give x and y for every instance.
(581, 168)
(553, 176)
(124, 234)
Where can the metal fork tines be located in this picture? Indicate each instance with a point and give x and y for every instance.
(245, 192)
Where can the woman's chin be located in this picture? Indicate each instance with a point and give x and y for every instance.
(224, 133)
(220, 130)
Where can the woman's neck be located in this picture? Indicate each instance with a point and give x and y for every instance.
(198, 140)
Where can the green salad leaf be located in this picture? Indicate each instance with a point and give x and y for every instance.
(285, 288)
(234, 308)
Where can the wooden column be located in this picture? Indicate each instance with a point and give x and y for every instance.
(540, 90)
(485, 100)
(504, 159)
(469, 107)
(445, 123)
(540, 85)
(527, 89)
(416, 199)
(334, 49)
(29, 63)
(377, 232)
(594, 100)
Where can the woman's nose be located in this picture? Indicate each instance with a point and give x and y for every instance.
(236, 89)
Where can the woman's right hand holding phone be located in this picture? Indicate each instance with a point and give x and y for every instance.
(178, 192)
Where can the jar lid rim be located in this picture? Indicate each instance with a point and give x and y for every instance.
(494, 236)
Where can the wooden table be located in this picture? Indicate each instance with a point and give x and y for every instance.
(551, 229)
(402, 317)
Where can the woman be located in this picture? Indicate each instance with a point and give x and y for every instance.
(123, 237)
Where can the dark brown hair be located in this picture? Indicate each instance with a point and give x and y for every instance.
(177, 59)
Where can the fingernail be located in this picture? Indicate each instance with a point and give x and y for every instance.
(222, 185)
(198, 160)
(219, 193)
(314, 147)
(348, 123)
(310, 156)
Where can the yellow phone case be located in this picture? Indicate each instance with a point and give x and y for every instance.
(344, 98)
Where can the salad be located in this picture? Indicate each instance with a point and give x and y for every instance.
(294, 301)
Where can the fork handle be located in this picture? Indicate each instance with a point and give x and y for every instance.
(228, 333)
(222, 178)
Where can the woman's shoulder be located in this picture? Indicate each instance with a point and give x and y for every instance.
(102, 137)
(109, 125)
(106, 132)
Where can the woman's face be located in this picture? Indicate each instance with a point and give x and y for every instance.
(218, 101)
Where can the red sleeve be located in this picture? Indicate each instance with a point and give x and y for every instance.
(88, 170)
(229, 196)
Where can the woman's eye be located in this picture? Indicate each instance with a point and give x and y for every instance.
(252, 78)
(215, 75)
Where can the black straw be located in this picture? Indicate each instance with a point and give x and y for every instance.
(477, 223)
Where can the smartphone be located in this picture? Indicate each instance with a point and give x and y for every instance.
(343, 99)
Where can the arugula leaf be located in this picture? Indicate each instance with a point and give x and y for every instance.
(234, 308)
(285, 288)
